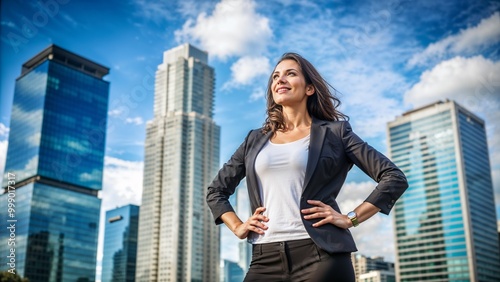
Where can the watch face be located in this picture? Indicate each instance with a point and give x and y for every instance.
(351, 214)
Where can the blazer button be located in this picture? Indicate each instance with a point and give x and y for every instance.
(389, 206)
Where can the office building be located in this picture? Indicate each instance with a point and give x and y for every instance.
(445, 223)
(232, 272)
(178, 239)
(55, 159)
(363, 264)
(377, 276)
(120, 244)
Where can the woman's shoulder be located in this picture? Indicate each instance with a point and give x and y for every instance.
(334, 124)
(256, 133)
(253, 134)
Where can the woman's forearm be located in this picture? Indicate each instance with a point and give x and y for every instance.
(231, 220)
(365, 211)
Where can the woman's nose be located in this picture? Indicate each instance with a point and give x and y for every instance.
(281, 79)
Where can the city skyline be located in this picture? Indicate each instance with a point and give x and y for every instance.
(384, 58)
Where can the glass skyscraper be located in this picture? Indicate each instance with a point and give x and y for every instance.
(232, 272)
(445, 223)
(178, 240)
(55, 162)
(120, 244)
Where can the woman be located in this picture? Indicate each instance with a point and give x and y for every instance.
(295, 166)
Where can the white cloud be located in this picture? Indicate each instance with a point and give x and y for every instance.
(115, 112)
(473, 82)
(123, 181)
(257, 94)
(4, 130)
(246, 69)
(3, 155)
(136, 120)
(486, 33)
(233, 29)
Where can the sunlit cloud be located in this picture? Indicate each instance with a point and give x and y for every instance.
(470, 40)
(474, 82)
(3, 155)
(4, 130)
(258, 94)
(246, 69)
(233, 29)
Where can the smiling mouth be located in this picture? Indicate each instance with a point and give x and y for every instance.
(282, 90)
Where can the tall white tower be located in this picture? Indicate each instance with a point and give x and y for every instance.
(178, 240)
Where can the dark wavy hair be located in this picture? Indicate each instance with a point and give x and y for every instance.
(322, 104)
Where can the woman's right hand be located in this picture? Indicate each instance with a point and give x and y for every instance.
(255, 224)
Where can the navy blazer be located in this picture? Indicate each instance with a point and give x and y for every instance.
(333, 150)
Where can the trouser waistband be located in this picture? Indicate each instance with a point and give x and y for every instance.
(280, 246)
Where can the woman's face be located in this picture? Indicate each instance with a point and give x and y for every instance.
(289, 86)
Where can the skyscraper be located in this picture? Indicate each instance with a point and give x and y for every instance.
(445, 223)
(54, 163)
(120, 244)
(178, 240)
(232, 272)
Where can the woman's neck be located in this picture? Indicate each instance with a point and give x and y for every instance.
(296, 119)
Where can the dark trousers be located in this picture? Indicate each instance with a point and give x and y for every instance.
(298, 260)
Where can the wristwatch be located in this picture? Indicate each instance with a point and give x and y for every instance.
(353, 217)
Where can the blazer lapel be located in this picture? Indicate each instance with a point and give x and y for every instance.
(251, 175)
(315, 145)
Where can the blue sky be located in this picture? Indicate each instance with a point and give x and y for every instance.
(384, 58)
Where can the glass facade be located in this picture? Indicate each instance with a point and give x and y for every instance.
(59, 115)
(56, 152)
(440, 224)
(56, 233)
(120, 244)
(181, 158)
(232, 272)
(480, 197)
(26, 120)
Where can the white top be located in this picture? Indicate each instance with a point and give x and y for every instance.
(280, 170)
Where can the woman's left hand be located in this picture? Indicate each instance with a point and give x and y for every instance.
(327, 213)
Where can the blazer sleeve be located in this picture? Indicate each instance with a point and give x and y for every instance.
(225, 183)
(391, 180)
